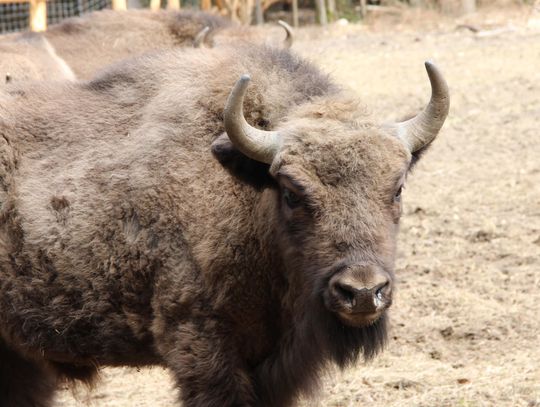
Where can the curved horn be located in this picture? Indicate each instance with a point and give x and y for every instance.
(419, 131)
(200, 37)
(257, 144)
(290, 36)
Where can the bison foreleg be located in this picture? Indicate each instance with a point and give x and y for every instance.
(209, 371)
(24, 383)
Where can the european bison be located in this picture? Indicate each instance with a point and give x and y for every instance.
(29, 57)
(233, 35)
(96, 40)
(142, 223)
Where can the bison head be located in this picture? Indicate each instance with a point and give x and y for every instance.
(337, 200)
(206, 35)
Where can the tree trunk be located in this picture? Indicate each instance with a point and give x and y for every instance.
(321, 9)
(468, 6)
(332, 10)
(295, 13)
(259, 18)
(363, 8)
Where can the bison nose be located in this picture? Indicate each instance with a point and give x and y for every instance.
(365, 300)
(362, 290)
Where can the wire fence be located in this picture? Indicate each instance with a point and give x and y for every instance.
(15, 16)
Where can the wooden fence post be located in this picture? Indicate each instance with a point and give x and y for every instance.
(173, 4)
(155, 5)
(38, 15)
(119, 4)
(206, 5)
(295, 13)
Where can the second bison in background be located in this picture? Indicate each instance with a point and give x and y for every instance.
(81, 46)
(91, 42)
(142, 223)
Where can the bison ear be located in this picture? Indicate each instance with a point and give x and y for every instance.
(417, 155)
(240, 166)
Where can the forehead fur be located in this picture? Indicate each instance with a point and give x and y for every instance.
(335, 141)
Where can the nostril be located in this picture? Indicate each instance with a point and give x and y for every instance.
(345, 293)
(380, 290)
(381, 295)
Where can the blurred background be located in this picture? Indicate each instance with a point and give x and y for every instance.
(17, 15)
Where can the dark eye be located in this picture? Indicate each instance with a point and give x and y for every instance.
(397, 196)
(292, 199)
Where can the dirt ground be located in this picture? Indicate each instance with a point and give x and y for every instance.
(466, 318)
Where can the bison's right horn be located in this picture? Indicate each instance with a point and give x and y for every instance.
(289, 30)
(419, 131)
(257, 144)
(201, 37)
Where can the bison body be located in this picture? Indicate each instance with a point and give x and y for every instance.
(81, 46)
(84, 45)
(92, 42)
(135, 231)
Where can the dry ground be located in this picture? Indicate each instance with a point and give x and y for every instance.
(465, 324)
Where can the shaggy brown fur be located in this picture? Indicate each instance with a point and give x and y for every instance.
(30, 56)
(131, 234)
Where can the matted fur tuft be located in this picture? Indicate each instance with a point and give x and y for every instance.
(316, 341)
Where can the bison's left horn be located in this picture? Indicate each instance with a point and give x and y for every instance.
(257, 144)
(289, 30)
(201, 37)
(419, 131)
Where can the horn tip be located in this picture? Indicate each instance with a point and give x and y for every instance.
(289, 31)
(200, 38)
(430, 65)
(432, 68)
(286, 26)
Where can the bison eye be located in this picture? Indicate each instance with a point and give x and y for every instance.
(292, 199)
(397, 196)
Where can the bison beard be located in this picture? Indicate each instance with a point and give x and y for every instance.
(317, 340)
